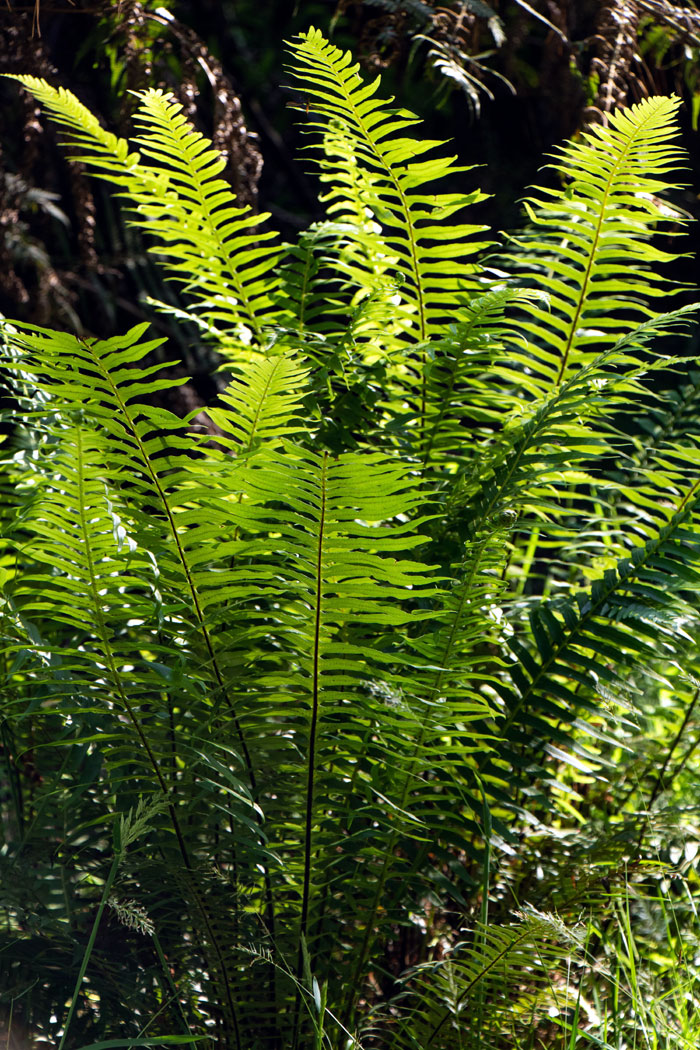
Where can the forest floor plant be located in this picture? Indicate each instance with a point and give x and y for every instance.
(309, 727)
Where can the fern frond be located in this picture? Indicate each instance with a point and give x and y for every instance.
(640, 610)
(78, 535)
(550, 440)
(590, 241)
(264, 400)
(198, 218)
(492, 984)
(435, 259)
(180, 201)
(381, 318)
(307, 281)
(341, 572)
(95, 377)
(463, 381)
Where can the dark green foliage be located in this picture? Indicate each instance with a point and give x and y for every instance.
(270, 697)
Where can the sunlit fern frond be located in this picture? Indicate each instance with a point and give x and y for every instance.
(577, 650)
(590, 248)
(435, 257)
(177, 197)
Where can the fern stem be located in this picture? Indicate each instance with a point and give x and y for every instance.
(109, 882)
(313, 735)
(583, 292)
(128, 707)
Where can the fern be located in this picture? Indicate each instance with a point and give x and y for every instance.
(180, 201)
(428, 252)
(498, 966)
(432, 258)
(590, 240)
(438, 557)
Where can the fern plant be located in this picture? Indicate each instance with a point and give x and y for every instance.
(330, 665)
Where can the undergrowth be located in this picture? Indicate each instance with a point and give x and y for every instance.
(365, 717)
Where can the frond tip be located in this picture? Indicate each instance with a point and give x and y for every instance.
(437, 258)
(208, 243)
(590, 240)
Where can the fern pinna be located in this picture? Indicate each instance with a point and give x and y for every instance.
(341, 666)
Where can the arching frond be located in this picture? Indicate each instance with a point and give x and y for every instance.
(177, 197)
(493, 985)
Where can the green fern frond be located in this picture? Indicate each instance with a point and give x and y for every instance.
(639, 611)
(380, 316)
(264, 400)
(435, 257)
(493, 985)
(307, 281)
(590, 241)
(465, 390)
(101, 378)
(181, 202)
(199, 218)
